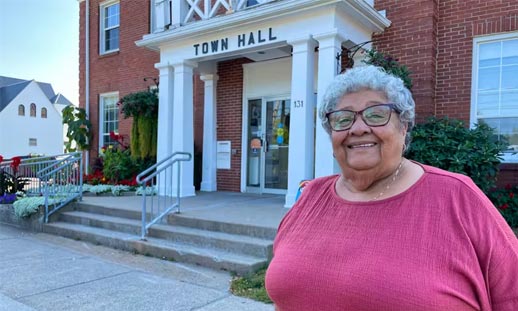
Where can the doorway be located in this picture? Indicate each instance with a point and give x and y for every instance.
(268, 145)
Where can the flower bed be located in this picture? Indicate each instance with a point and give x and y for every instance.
(33, 222)
(7, 198)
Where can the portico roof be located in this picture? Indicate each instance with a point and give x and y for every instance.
(356, 12)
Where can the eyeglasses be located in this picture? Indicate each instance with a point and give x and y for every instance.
(377, 115)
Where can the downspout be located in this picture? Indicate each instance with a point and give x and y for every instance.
(87, 75)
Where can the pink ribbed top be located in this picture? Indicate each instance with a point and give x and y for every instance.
(440, 245)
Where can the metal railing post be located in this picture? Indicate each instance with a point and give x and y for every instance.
(156, 172)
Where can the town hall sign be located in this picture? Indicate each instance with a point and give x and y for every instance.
(243, 40)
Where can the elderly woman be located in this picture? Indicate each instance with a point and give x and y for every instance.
(388, 233)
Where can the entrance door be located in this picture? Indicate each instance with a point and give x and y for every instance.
(268, 137)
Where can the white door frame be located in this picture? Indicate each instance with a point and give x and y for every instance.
(245, 146)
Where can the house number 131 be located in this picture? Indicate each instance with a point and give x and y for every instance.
(298, 103)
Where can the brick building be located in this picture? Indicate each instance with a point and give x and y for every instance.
(240, 80)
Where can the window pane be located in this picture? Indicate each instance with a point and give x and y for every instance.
(509, 106)
(489, 54)
(507, 130)
(111, 16)
(487, 104)
(489, 78)
(510, 52)
(110, 113)
(112, 39)
(510, 77)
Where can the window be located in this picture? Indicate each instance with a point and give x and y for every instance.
(44, 113)
(33, 110)
(33, 142)
(108, 118)
(495, 88)
(21, 110)
(109, 26)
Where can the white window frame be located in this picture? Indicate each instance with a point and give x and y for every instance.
(102, 29)
(506, 157)
(102, 130)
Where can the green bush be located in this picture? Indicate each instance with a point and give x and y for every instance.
(450, 145)
(506, 200)
(390, 64)
(143, 108)
(118, 165)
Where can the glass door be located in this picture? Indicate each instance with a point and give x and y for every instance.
(268, 137)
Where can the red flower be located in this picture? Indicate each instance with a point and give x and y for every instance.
(504, 206)
(15, 163)
(511, 195)
(114, 136)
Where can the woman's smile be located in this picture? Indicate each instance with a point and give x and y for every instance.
(361, 145)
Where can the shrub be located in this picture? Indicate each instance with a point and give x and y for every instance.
(506, 200)
(11, 183)
(118, 165)
(25, 207)
(390, 64)
(143, 108)
(79, 131)
(450, 145)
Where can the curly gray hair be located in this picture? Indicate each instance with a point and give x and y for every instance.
(370, 78)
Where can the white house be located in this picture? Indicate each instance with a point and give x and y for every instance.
(30, 118)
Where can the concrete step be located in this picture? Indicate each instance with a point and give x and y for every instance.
(208, 257)
(222, 226)
(185, 221)
(239, 244)
(108, 211)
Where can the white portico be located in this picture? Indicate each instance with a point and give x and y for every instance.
(292, 48)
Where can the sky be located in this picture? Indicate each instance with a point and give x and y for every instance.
(39, 39)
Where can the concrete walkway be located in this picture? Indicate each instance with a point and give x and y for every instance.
(265, 210)
(45, 272)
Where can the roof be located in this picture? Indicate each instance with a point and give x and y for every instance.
(11, 87)
(9, 92)
(60, 99)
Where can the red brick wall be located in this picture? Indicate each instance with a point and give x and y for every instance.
(121, 71)
(411, 39)
(459, 22)
(230, 113)
(435, 40)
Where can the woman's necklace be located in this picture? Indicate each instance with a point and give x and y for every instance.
(394, 177)
(389, 184)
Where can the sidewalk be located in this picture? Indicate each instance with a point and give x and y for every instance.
(45, 272)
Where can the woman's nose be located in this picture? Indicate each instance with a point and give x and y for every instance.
(359, 127)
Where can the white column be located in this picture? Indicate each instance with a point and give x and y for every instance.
(165, 117)
(208, 182)
(183, 125)
(329, 46)
(302, 147)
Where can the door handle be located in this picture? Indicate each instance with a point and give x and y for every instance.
(265, 143)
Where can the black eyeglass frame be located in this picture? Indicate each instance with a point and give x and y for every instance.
(356, 113)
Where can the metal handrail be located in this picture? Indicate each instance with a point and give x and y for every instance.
(62, 182)
(150, 177)
(43, 171)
